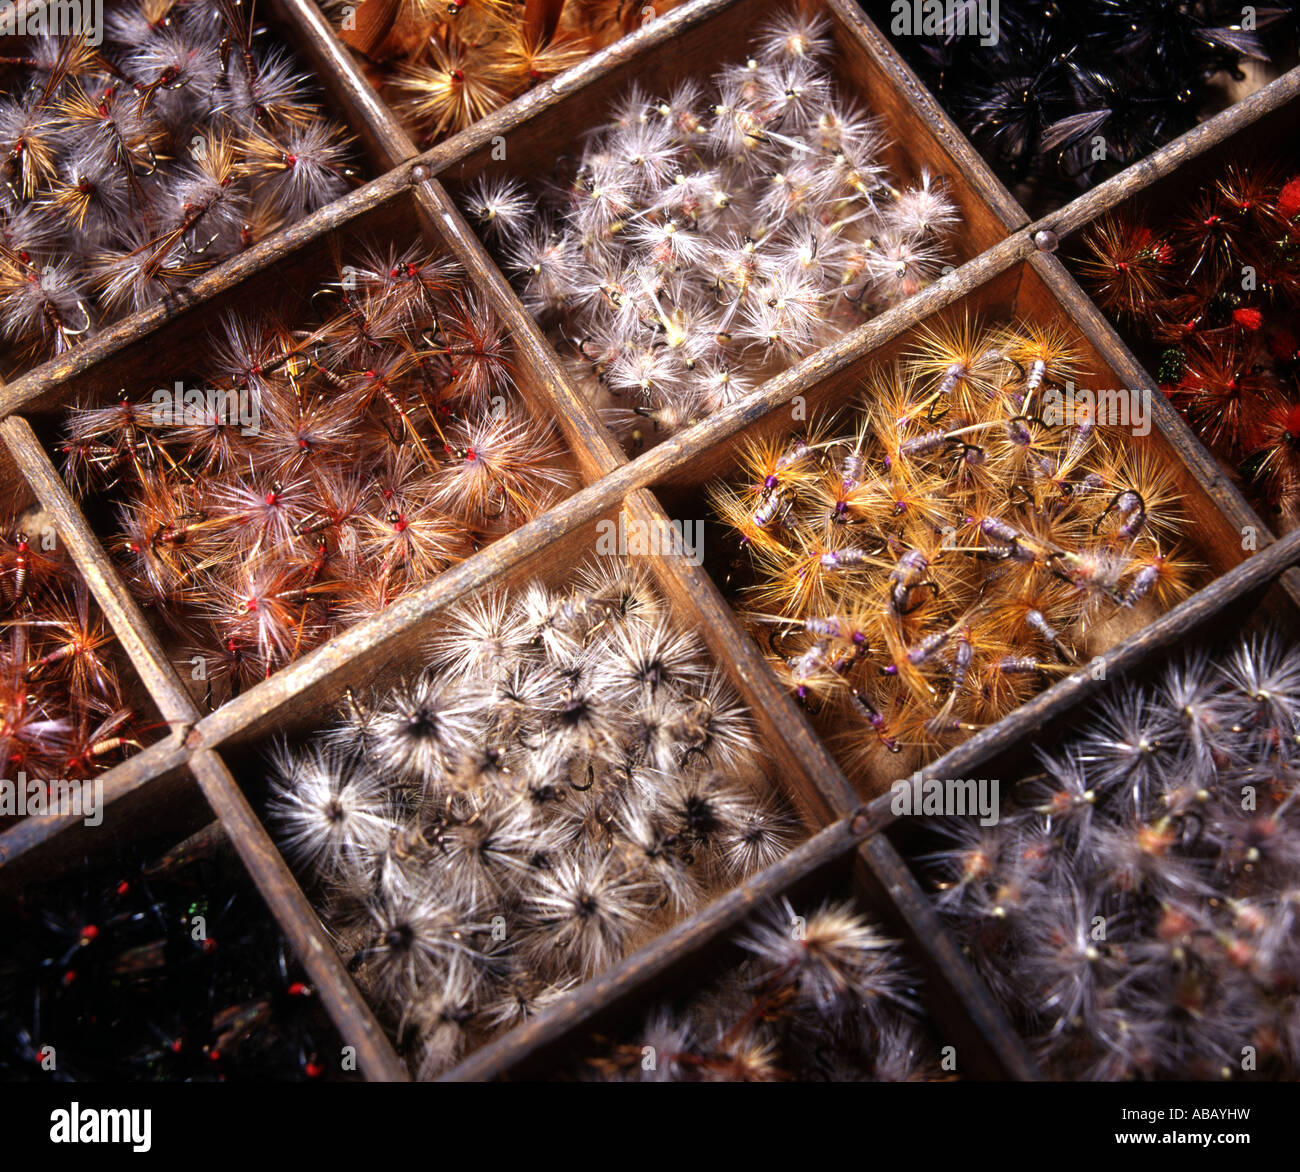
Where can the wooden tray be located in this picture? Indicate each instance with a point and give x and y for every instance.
(207, 765)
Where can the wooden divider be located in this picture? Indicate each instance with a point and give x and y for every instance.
(1004, 255)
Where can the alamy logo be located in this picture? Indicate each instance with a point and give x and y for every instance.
(65, 797)
(1070, 406)
(946, 18)
(630, 538)
(183, 406)
(102, 1125)
(56, 18)
(953, 798)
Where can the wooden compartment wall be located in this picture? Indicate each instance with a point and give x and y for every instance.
(186, 776)
(862, 67)
(1240, 606)
(177, 822)
(1211, 532)
(1272, 139)
(1219, 92)
(820, 872)
(342, 97)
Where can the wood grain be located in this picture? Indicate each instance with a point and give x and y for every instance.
(1004, 266)
(636, 976)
